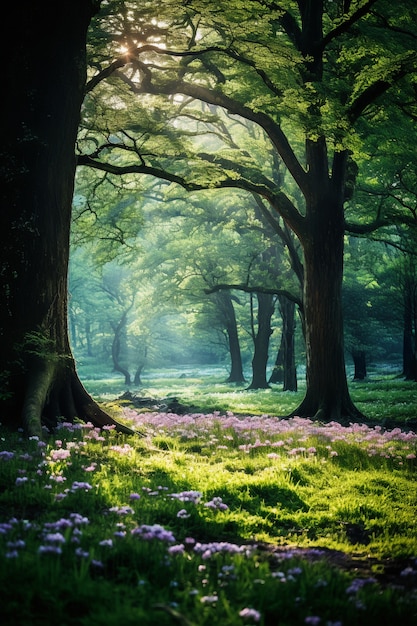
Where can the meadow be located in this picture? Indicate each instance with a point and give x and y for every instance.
(223, 513)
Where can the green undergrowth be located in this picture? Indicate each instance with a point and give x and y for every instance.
(209, 518)
(382, 398)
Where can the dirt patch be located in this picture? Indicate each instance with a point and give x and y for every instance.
(161, 405)
(400, 572)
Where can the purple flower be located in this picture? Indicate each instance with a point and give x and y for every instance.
(154, 531)
(408, 571)
(14, 545)
(78, 519)
(82, 553)
(121, 510)
(5, 527)
(5, 455)
(21, 480)
(209, 599)
(25, 457)
(59, 455)
(358, 583)
(61, 524)
(188, 496)
(250, 614)
(208, 549)
(50, 549)
(216, 503)
(13, 554)
(177, 549)
(77, 485)
(55, 538)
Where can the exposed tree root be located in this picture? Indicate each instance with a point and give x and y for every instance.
(340, 410)
(54, 393)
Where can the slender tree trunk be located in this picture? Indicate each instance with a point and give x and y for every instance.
(290, 370)
(261, 341)
(118, 330)
(42, 97)
(73, 330)
(138, 374)
(277, 375)
(359, 362)
(87, 329)
(284, 369)
(409, 334)
(236, 366)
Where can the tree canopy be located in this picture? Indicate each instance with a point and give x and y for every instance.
(285, 100)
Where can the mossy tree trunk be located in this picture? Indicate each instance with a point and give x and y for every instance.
(43, 92)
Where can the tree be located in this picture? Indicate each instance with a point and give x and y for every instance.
(44, 91)
(296, 72)
(285, 370)
(387, 186)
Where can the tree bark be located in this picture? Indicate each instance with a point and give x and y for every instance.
(285, 371)
(261, 341)
(288, 330)
(277, 375)
(236, 366)
(137, 380)
(118, 330)
(359, 362)
(410, 330)
(43, 94)
(327, 396)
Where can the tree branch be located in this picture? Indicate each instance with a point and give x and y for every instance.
(210, 96)
(257, 289)
(344, 26)
(260, 187)
(379, 87)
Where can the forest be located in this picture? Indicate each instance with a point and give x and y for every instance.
(206, 175)
(266, 130)
(208, 313)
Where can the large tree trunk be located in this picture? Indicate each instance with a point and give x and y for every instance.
(261, 341)
(327, 395)
(42, 96)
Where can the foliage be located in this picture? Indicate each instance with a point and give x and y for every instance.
(187, 244)
(287, 102)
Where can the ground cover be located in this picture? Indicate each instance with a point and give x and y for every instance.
(384, 398)
(209, 516)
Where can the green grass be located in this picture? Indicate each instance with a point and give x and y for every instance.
(250, 519)
(382, 398)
